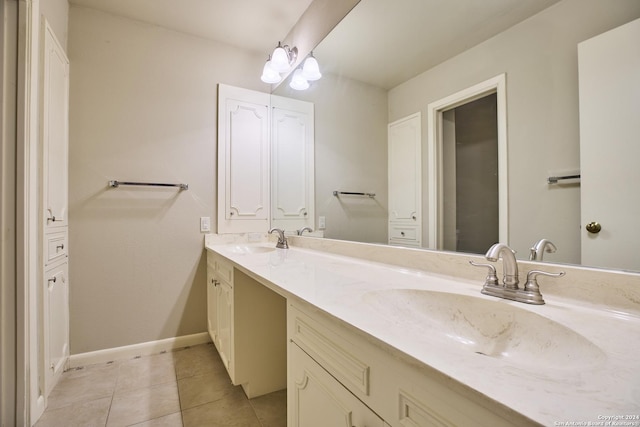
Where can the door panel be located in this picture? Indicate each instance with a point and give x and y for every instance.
(609, 81)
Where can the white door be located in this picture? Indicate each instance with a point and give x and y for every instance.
(609, 70)
(243, 160)
(405, 194)
(54, 129)
(292, 164)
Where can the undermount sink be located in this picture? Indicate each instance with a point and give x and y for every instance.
(489, 328)
(250, 249)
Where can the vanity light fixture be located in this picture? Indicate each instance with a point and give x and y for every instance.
(310, 68)
(269, 75)
(283, 58)
(308, 72)
(298, 82)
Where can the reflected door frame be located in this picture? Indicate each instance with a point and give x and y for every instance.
(435, 110)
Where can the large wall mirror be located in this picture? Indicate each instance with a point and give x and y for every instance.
(387, 60)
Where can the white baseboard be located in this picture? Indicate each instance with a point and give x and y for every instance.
(142, 349)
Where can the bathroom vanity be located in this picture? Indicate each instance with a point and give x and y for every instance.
(379, 335)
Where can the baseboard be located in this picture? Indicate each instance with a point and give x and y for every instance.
(142, 349)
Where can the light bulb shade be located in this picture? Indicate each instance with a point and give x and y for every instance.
(269, 75)
(310, 69)
(298, 82)
(280, 60)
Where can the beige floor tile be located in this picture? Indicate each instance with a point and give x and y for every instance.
(83, 414)
(271, 409)
(197, 360)
(146, 371)
(171, 420)
(83, 385)
(200, 389)
(143, 404)
(233, 410)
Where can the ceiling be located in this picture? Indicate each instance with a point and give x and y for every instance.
(255, 25)
(385, 43)
(406, 36)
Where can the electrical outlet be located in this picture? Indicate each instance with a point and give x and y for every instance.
(322, 222)
(205, 224)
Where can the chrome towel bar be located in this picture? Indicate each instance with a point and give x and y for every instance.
(351, 193)
(555, 179)
(116, 184)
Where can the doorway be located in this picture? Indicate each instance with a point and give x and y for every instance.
(470, 176)
(467, 169)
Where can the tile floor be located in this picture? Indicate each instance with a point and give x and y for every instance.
(188, 387)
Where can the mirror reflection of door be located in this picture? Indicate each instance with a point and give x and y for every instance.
(609, 80)
(470, 208)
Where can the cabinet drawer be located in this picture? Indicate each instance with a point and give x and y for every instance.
(401, 393)
(316, 399)
(56, 245)
(399, 232)
(331, 350)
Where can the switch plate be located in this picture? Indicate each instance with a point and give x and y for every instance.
(205, 224)
(322, 222)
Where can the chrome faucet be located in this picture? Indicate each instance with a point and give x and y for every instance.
(509, 263)
(541, 246)
(509, 287)
(282, 241)
(302, 230)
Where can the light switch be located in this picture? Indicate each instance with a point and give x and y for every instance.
(322, 222)
(205, 224)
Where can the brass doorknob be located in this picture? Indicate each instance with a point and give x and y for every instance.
(594, 227)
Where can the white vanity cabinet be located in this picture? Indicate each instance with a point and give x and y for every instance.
(247, 324)
(405, 182)
(328, 358)
(316, 399)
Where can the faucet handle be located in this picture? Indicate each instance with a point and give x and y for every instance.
(532, 282)
(531, 290)
(492, 278)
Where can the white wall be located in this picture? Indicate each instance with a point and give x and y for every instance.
(350, 155)
(143, 108)
(57, 13)
(539, 57)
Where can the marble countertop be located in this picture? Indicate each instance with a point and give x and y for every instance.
(587, 386)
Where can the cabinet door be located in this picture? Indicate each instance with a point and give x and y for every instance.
(405, 178)
(56, 323)
(292, 164)
(243, 160)
(54, 131)
(224, 316)
(212, 302)
(316, 399)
